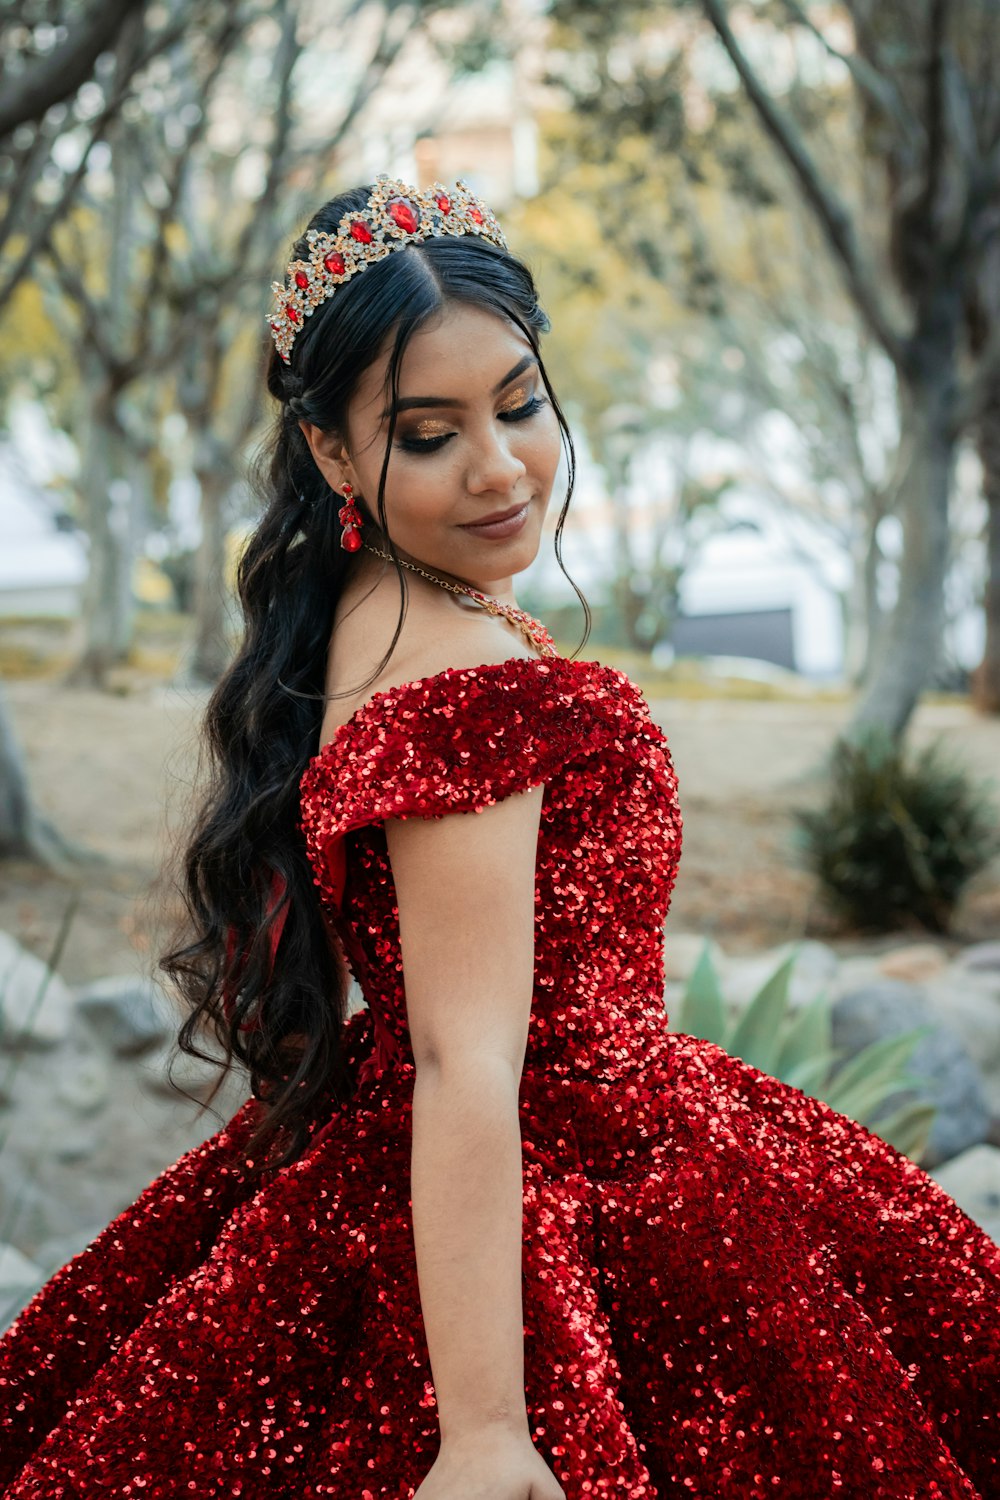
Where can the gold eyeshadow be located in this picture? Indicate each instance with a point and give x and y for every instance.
(518, 397)
(431, 427)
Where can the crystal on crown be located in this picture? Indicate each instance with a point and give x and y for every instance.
(395, 215)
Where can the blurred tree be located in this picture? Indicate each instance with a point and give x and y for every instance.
(887, 140)
(610, 324)
(48, 77)
(121, 273)
(19, 823)
(162, 270)
(24, 832)
(929, 131)
(983, 315)
(67, 73)
(221, 372)
(684, 284)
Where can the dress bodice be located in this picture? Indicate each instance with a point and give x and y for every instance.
(608, 845)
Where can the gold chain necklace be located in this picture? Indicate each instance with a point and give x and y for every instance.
(533, 630)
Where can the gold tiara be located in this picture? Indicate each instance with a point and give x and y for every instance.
(395, 215)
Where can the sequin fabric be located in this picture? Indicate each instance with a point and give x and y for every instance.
(730, 1290)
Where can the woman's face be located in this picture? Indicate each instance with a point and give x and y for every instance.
(476, 436)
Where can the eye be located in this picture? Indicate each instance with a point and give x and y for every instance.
(425, 445)
(431, 445)
(521, 412)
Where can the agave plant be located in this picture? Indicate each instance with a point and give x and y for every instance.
(798, 1049)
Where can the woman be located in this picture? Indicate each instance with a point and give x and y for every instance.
(501, 1234)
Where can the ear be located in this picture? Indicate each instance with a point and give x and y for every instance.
(330, 455)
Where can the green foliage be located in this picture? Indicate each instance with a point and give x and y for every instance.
(797, 1048)
(897, 840)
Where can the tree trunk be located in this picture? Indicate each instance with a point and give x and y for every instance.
(212, 651)
(861, 613)
(16, 816)
(986, 677)
(908, 646)
(24, 833)
(107, 594)
(872, 616)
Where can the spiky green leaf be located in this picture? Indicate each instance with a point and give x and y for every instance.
(755, 1036)
(702, 1010)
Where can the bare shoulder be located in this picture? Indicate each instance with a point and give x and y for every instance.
(440, 630)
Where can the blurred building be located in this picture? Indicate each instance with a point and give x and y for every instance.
(768, 586)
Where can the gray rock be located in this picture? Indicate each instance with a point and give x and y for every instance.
(78, 1144)
(968, 1002)
(60, 1249)
(35, 1004)
(890, 1007)
(982, 956)
(20, 1279)
(973, 1180)
(85, 1087)
(914, 962)
(62, 1169)
(169, 1070)
(127, 1013)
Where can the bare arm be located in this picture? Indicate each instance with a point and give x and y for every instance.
(465, 890)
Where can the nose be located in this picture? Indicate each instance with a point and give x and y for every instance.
(494, 467)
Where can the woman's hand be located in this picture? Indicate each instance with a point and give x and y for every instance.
(490, 1464)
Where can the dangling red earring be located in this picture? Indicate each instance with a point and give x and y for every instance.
(350, 537)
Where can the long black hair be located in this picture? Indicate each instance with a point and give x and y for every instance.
(263, 721)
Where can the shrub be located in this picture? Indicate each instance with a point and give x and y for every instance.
(897, 840)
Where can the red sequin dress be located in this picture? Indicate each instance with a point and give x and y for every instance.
(730, 1290)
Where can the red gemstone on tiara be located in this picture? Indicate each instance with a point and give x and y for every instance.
(293, 313)
(335, 263)
(443, 202)
(402, 214)
(476, 214)
(361, 232)
(301, 279)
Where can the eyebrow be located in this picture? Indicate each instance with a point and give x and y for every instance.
(408, 402)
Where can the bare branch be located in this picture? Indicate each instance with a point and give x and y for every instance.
(42, 229)
(830, 211)
(937, 134)
(879, 89)
(41, 235)
(231, 32)
(26, 173)
(90, 312)
(57, 76)
(288, 53)
(283, 160)
(982, 389)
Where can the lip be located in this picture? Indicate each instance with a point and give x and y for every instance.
(505, 523)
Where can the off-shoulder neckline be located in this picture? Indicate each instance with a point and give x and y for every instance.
(381, 694)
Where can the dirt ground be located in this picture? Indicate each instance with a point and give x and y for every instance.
(115, 773)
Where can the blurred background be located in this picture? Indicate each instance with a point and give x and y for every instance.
(767, 235)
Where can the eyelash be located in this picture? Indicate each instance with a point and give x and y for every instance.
(431, 445)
